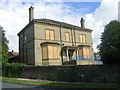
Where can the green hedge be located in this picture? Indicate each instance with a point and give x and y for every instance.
(12, 70)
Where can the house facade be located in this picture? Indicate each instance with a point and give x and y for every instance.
(50, 42)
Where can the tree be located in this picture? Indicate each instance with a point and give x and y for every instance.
(109, 48)
(3, 45)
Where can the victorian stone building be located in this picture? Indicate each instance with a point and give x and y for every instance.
(50, 42)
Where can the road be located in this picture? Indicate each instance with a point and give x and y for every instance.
(12, 85)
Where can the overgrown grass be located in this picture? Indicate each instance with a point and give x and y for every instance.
(58, 85)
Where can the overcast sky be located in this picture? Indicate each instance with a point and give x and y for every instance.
(97, 13)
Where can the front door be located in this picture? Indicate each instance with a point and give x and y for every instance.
(70, 53)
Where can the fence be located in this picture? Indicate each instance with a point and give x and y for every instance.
(82, 57)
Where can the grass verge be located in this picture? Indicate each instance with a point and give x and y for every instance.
(55, 84)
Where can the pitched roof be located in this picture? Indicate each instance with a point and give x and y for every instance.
(55, 22)
(13, 53)
(59, 23)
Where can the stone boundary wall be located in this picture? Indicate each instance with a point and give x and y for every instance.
(81, 73)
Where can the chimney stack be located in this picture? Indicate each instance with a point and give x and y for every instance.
(12, 51)
(82, 23)
(31, 13)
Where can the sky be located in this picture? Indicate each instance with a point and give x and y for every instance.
(97, 13)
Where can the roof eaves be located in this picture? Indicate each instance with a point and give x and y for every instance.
(61, 24)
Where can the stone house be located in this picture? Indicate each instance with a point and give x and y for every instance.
(50, 42)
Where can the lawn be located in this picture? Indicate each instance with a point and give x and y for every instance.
(57, 84)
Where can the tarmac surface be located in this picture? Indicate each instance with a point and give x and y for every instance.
(13, 86)
(7, 85)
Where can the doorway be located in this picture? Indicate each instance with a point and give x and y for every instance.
(70, 54)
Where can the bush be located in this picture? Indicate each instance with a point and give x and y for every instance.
(109, 48)
(111, 56)
(12, 70)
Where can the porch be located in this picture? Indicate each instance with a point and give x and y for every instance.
(70, 53)
(79, 55)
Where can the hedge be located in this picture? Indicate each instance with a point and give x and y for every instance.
(12, 70)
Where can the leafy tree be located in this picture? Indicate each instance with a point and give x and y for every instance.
(3, 45)
(109, 48)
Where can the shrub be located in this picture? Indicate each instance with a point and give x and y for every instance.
(12, 69)
(109, 48)
(111, 56)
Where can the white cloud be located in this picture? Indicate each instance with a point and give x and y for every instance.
(107, 11)
(14, 16)
(13, 19)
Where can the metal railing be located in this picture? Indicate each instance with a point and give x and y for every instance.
(82, 57)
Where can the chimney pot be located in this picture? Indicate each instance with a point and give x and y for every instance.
(12, 51)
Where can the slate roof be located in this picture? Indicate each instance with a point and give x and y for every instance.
(13, 53)
(56, 22)
(59, 23)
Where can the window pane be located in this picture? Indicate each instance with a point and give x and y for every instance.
(47, 34)
(52, 35)
(85, 53)
(55, 52)
(81, 40)
(88, 51)
(44, 49)
(50, 52)
(58, 52)
(80, 52)
(67, 36)
(84, 39)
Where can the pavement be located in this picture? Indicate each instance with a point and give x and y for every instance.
(12, 86)
(75, 83)
(34, 80)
